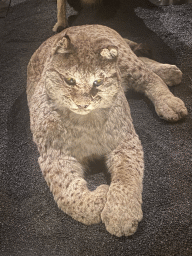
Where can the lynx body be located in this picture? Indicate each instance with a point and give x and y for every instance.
(78, 111)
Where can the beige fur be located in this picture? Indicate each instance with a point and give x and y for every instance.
(72, 123)
(61, 13)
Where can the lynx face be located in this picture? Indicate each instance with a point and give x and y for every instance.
(82, 77)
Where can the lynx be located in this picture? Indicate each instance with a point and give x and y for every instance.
(79, 112)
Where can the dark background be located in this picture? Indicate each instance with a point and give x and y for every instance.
(31, 223)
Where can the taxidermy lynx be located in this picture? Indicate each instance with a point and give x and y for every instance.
(78, 111)
(61, 13)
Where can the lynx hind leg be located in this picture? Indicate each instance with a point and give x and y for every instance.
(65, 179)
(150, 80)
(170, 74)
(171, 108)
(167, 106)
(143, 79)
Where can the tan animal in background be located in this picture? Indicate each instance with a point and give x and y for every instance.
(61, 13)
(79, 112)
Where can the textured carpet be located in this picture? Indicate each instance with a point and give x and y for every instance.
(31, 223)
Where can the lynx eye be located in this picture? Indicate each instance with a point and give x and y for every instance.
(97, 82)
(70, 81)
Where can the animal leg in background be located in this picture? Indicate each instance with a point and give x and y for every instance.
(62, 22)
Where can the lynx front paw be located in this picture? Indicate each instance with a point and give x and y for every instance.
(121, 214)
(59, 26)
(85, 206)
(94, 204)
(171, 108)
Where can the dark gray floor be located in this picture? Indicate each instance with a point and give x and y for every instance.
(31, 223)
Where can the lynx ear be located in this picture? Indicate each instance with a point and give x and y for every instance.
(63, 46)
(109, 53)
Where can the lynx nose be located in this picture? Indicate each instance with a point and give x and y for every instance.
(82, 100)
(82, 106)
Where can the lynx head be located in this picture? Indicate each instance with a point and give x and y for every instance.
(83, 74)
